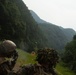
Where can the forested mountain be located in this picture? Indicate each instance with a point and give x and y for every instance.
(37, 18)
(69, 56)
(57, 36)
(69, 33)
(17, 24)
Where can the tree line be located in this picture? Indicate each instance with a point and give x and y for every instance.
(69, 57)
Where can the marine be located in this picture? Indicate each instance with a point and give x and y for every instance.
(8, 56)
(46, 63)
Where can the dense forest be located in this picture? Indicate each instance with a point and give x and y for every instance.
(69, 56)
(17, 24)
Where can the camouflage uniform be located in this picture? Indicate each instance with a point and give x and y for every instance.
(32, 70)
(47, 59)
(8, 56)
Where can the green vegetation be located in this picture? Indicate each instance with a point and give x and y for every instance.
(25, 58)
(69, 57)
(64, 70)
(17, 24)
(11, 25)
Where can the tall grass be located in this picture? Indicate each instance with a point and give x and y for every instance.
(64, 70)
(25, 58)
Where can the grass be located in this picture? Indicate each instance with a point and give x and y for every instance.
(25, 58)
(64, 70)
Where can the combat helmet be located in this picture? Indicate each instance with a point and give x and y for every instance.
(7, 46)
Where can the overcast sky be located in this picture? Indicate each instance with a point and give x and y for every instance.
(59, 12)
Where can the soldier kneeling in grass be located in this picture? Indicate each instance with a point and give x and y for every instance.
(47, 60)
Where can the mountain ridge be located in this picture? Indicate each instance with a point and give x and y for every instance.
(37, 18)
(56, 35)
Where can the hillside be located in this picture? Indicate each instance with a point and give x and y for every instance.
(56, 36)
(68, 32)
(17, 24)
(24, 58)
(37, 18)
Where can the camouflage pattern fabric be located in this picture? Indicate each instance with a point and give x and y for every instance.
(34, 70)
(45, 56)
(6, 66)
